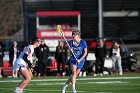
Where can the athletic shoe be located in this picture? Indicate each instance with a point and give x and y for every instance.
(84, 74)
(38, 76)
(80, 74)
(57, 75)
(0, 76)
(63, 90)
(14, 76)
(95, 75)
(17, 90)
(44, 75)
(120, 73)
(63, 74)
(73, 90)
(101, 74)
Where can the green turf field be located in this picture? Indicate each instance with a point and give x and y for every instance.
(128, 83)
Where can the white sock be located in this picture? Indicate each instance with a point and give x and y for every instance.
(80, 74)
(15, 75)
(73, 86)
(84, 74)
(65, 85)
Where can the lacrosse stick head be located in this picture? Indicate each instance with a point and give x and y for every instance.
(35, 59)
(59, 30)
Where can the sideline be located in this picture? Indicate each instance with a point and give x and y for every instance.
(107, 78)
(53, 91)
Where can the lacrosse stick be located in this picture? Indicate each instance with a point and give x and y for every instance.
(31, 70)
(59, 30)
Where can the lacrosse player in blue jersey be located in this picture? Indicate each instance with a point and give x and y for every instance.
(79, 48)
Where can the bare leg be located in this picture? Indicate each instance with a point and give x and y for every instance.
(27, 78)
(72, 79)
(75, 73)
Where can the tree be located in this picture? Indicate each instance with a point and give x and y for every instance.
(11, 17)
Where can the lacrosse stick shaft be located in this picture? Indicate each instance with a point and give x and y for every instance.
(69, 47)
(62, 34)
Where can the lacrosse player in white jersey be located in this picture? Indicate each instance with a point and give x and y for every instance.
(24, 63)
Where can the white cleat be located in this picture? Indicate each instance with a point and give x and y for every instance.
(120, 74)
(80, 74)
(84, 74)
(63, 90)
(101, 74)
(95, 75)
(74, 90)
(18, 90)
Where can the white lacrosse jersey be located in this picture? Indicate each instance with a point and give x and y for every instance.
(29, 50)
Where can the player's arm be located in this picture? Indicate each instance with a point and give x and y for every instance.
(83, 56)
(26, 60)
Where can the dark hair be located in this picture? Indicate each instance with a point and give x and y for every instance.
(35, 39)
(116, 42)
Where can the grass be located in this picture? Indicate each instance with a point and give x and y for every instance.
(128, 83)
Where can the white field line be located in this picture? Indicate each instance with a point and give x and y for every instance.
(107, 78)
(52, 90)
(6, 88)
(67, 91)
(58, 83)
(107, 82)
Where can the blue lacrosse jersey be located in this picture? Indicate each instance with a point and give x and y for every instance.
(78, 50)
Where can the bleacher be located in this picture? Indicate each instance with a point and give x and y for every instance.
(120, 27)
(7, 68)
